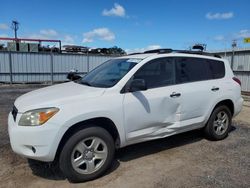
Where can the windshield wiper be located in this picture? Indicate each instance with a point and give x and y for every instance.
(85, 83)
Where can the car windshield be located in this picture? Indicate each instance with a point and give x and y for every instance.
(109, 73)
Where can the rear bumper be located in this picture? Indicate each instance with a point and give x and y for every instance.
(238, 106)
(38, 142)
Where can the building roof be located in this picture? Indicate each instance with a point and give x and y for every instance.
(230, 50)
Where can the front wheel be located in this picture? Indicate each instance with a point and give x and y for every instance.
(219, 123)
(87, 154)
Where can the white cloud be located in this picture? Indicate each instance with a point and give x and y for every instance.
(229, 37)
(30, 36)
(99, 33)
(44, 34)
(244, 33)
(117, 10)
(219, 38)
(219, 16)
(68, 39)
(137, 50)
(37, 36)
(48, 32)
(3, 26)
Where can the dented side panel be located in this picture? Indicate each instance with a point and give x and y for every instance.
(149, 113)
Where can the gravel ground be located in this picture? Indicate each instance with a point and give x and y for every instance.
(185, 160)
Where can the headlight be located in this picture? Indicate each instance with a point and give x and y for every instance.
(37, 117)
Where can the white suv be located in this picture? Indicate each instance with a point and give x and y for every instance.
(125, 100)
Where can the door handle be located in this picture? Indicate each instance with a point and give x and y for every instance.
(215, 89)
(174, 94)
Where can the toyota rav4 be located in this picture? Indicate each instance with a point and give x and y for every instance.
(124, 101)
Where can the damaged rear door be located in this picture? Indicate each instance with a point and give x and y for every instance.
(155, 112)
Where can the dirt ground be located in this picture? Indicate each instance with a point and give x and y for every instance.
(185, 160)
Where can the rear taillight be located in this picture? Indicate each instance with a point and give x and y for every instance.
(237, 80)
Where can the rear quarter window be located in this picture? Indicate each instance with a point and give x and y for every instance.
(190, 69)
(217, 68)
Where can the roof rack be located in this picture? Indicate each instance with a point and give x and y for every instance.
(159, 51)
(169, 50)
(135, 53)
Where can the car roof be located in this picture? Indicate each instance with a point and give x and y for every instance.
(167, 52)
(155, 55)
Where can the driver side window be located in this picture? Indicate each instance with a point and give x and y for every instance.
(157, 73)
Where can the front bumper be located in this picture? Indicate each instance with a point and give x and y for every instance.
(37, 142)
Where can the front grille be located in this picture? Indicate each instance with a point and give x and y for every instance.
(14, 112)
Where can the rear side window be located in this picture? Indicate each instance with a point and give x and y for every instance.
(157, 73)
(217, 68)
(192, 69)
(198, 69)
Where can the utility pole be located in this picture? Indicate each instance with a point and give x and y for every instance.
(15, 27)
(234, 44)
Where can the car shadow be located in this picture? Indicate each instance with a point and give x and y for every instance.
(46, 170)
(151, 147)
(52, 171)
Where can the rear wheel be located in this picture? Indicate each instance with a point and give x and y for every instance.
(219, 123)
(87, 154)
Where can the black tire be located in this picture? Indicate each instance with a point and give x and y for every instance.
(65, 156)
(209, 129)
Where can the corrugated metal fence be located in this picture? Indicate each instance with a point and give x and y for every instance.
(22, 67)
(240, 66)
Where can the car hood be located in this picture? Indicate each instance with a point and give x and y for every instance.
(54, 96)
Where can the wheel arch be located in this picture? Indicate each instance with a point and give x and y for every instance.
(227, 102)
(208, 128)
(102, 122)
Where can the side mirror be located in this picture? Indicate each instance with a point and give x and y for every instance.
(73, 75)
(137, 85)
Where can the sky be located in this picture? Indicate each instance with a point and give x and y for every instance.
(134, 25)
